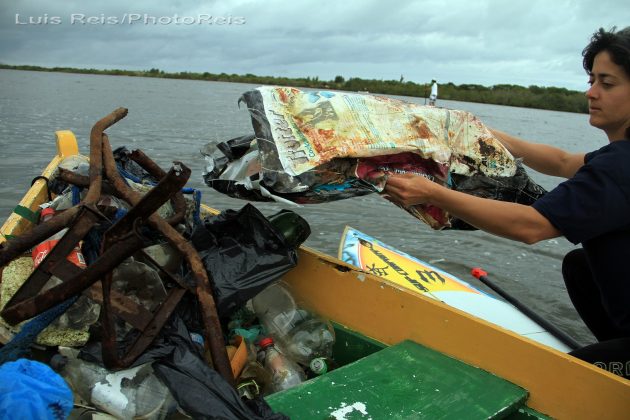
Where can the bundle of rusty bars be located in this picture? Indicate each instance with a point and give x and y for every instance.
(120, 241)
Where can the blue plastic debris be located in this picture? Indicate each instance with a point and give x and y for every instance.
(32, 390)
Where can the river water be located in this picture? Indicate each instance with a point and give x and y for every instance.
(172, 120)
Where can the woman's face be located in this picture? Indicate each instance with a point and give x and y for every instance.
(609, 97)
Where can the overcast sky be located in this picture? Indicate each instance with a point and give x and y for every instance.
(487, 42)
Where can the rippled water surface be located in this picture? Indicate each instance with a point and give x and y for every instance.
(173, 119)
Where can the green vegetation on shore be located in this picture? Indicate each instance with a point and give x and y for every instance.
(552, 98)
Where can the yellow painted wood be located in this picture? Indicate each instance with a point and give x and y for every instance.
(559, 385)
(38, 194)
(66, 143)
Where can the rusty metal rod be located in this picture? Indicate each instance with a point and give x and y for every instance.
(15, 247)
(173, 182)
(96, 153)
(179, 203)
(38, 278)
(32, 306)
(131, 312)
(212, 326)
(176, 279)
(110, 352)
(127, 309)
(82, 181)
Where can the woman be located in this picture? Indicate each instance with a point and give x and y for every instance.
(592, 207)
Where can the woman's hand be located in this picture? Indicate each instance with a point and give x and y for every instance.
(510, 220)
(409, 189)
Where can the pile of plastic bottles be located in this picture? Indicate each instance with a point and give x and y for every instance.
(292, 346)
(286, 345)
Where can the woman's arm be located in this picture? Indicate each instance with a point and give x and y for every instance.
(510, 220)
(541, 157)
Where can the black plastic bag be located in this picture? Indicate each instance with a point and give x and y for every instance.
(244, 252)
(520, 189)
(198, 389)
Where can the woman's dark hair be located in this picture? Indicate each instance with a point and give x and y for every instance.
(616, 43)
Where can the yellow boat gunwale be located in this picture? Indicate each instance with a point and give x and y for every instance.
(559, 385)
(15, 224)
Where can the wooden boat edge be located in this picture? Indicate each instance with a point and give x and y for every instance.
(559, 385)
(66, 145)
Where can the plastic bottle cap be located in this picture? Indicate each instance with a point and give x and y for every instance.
(266, 342)
(47, 211)
(58, 362)
(319, 366)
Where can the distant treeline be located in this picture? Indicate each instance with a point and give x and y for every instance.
(552, 98)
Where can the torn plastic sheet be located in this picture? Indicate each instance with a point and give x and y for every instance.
(315, 147)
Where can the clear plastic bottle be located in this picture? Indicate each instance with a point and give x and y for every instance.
(285, 373)
(302, 335)
(277, 311)
(131, 393)
(254, 380)
(84, 312)
(310, 339)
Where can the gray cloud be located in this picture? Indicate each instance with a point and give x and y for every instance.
(486, 42)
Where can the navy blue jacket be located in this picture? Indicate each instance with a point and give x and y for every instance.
(593, 208)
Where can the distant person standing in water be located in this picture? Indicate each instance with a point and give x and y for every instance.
(591, 208)
(434, 92)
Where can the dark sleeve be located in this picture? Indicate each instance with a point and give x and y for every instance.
(588, 156)
(593, 202)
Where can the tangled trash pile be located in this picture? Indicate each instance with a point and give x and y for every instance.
(146, 306)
